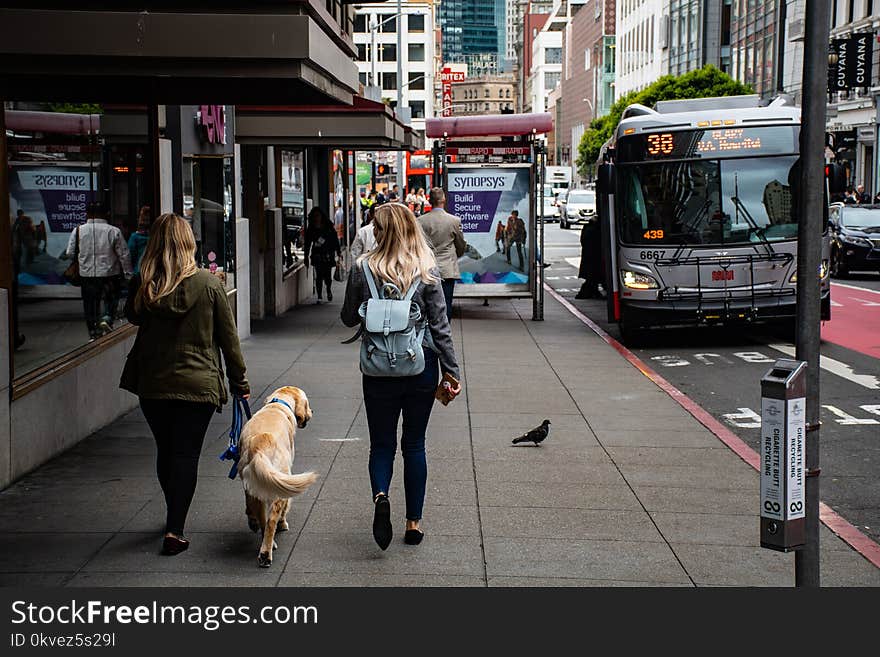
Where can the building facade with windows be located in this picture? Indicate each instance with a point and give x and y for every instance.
(852, 115)
(375, 37)
(586, 90)
(470, 31)
(755, 32)
(545, 61)
(486, 95)
(639, 57)
(693, 33)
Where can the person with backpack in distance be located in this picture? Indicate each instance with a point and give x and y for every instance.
(394, 292)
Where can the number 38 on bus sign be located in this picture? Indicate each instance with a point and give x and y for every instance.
(660, 144)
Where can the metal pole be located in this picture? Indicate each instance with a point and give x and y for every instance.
(401, 96)
(373, 27)
(812, 211)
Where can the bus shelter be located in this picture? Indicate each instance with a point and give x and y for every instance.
(492, 170)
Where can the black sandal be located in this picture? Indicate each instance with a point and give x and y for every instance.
(172, 545)
(413, 536)
(382, 530)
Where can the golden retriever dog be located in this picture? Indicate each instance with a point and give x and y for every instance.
(267, 453)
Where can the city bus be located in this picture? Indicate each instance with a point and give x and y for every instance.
(697, 200)
(419, 170)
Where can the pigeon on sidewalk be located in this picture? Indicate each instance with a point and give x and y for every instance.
(536, 435)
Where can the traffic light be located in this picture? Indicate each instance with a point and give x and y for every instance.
(835, 174)
(381, 169)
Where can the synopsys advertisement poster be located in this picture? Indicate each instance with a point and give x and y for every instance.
(46, 204)
(493, 205)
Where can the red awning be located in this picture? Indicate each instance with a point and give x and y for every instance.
(495, 125)
(57, 122)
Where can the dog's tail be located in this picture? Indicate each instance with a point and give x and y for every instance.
(264, 481)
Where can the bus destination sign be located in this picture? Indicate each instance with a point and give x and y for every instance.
(699, 144)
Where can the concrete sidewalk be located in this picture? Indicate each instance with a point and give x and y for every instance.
(628, 489)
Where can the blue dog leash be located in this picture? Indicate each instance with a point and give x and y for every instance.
(240, 409)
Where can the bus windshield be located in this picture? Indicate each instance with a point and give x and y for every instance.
(708, 201)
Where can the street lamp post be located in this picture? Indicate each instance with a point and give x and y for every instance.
(592, 111)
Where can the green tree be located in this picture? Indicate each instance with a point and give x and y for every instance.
(707, 82)
(76, 108)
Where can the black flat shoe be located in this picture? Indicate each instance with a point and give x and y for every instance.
(413, 536)
(382, 531)
(172, 545)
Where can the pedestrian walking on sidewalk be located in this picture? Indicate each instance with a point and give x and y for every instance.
(104, 261)
(591, 268)
(184, 324)
(402, 258)
(137, 242)
(365, 240)
(321, 249)
(445, 238)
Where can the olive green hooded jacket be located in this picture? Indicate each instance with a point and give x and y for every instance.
(176, 354)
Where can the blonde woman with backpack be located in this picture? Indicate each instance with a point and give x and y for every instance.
(400, 269)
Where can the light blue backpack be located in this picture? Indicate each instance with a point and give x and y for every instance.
(393, 330)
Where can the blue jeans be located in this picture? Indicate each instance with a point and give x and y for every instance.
(385, 398)
(448, 291)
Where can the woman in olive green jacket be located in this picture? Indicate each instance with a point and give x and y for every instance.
(184, 323)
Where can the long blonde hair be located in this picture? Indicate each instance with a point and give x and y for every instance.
(168, 259)
(402, 252)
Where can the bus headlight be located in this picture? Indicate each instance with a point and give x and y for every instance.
(823, 273)
(637, 281)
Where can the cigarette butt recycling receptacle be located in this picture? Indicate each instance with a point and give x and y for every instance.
(783, 449)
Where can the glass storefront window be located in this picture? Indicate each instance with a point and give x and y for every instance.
(61, 158)
(293, 207)
(207, 205)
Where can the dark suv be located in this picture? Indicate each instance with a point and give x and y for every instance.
(855, 238)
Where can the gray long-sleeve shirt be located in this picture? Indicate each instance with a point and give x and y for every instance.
(431, 302)
(102, 250)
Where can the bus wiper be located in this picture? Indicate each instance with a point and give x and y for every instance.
(739, 205)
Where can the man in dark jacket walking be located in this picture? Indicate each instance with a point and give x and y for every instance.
(590, 269)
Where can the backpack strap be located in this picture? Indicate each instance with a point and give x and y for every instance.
(370, 280)
(410, 293)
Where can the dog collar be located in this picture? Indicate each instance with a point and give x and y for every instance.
(275, 400)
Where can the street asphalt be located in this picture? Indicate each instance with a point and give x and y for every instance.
(628, 489)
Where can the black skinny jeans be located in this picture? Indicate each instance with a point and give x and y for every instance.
(323, 274)
(179, 428)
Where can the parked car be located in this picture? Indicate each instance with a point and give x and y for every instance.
(579, 207)
(855, 238)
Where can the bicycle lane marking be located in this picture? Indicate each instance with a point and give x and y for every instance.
(830, 518)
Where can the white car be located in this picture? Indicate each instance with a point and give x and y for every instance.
(579, 207)
(550, 211)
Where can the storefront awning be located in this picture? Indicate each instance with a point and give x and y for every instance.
(179, 56)
(497, 125)
(365, 125)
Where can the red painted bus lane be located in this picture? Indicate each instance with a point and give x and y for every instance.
(855, 319)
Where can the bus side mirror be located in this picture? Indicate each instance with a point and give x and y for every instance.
(605, 179)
